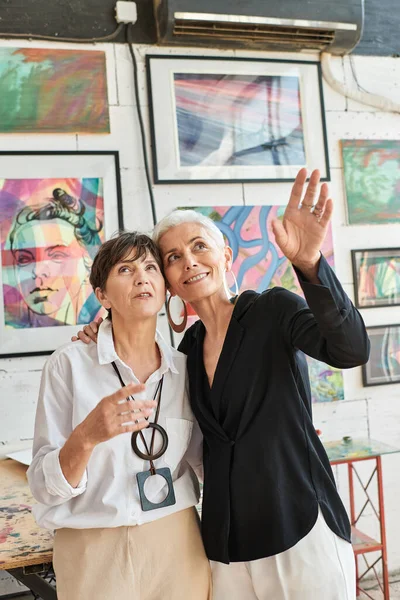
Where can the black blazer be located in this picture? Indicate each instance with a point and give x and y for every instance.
(265, 469)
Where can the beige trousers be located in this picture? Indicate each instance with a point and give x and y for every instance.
(161, 560)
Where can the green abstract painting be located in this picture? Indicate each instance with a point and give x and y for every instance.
(45, 90)
(372, 180)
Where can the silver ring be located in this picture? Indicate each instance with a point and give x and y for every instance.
(308, 205)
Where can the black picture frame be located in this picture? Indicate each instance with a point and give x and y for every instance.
(382, 367)
(376, 269)
(162, 72)
(35, 173)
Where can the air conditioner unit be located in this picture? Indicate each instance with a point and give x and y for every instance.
(333, 26)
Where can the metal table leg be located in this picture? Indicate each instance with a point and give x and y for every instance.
(35, 582)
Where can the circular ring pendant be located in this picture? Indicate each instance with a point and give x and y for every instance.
(156, 455)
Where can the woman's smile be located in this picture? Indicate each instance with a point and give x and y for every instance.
(196, 278)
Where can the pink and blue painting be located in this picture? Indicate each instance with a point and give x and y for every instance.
(47, 90)
(258, 264)
(247, 120)
(50, 231)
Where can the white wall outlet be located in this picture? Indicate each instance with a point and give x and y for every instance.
(125, 12)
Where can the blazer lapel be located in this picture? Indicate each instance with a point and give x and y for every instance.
(226, 407)
(231, 346)
(200, 406)
(209, 413)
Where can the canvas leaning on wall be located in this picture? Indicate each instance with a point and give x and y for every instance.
(229, 120)
(57, 208)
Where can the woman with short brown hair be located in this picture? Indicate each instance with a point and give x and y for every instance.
(117, 488)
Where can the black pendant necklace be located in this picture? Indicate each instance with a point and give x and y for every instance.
(150, 455)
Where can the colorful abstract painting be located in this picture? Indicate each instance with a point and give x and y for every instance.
(383, 366)
(45, 90)
(372, 180)
(235, 119)
(258, 264)
(239, 120)
(50, 232)
(376, 277)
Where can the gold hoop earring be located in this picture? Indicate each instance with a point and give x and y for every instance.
(178, 328)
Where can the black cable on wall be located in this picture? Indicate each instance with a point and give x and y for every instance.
(128, 33)
(53, 38)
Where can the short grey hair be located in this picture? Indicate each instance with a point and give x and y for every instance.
(177, 217)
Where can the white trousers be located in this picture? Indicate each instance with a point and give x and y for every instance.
(321, 566)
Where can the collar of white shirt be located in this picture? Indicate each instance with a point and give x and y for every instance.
(107, 354)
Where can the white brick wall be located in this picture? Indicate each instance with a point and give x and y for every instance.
(374, 410)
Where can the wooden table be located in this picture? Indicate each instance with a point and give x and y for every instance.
(350, 452)
(25, 549)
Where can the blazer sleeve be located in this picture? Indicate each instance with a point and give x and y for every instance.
(326, 325)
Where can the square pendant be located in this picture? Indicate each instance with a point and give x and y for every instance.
(144, 501)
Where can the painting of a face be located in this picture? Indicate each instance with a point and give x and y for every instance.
(56, 209)
(50, 232)
(49, 265)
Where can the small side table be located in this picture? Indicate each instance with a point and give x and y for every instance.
(350, 452)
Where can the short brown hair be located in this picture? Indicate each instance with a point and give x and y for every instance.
(118, 249)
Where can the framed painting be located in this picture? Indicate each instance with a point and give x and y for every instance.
(372, 181)
(48, 90)
(383, 366)
(233, 120)
(258, 264)
(376, 275)
(57, 208)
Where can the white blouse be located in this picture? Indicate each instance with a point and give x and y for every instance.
(74, 379)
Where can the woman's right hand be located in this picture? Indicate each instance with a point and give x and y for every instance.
(88, 333)
(115, 414)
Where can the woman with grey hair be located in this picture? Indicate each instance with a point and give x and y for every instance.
(273, 524)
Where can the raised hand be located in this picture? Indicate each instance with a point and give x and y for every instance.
(305, 222)
(115, 414)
